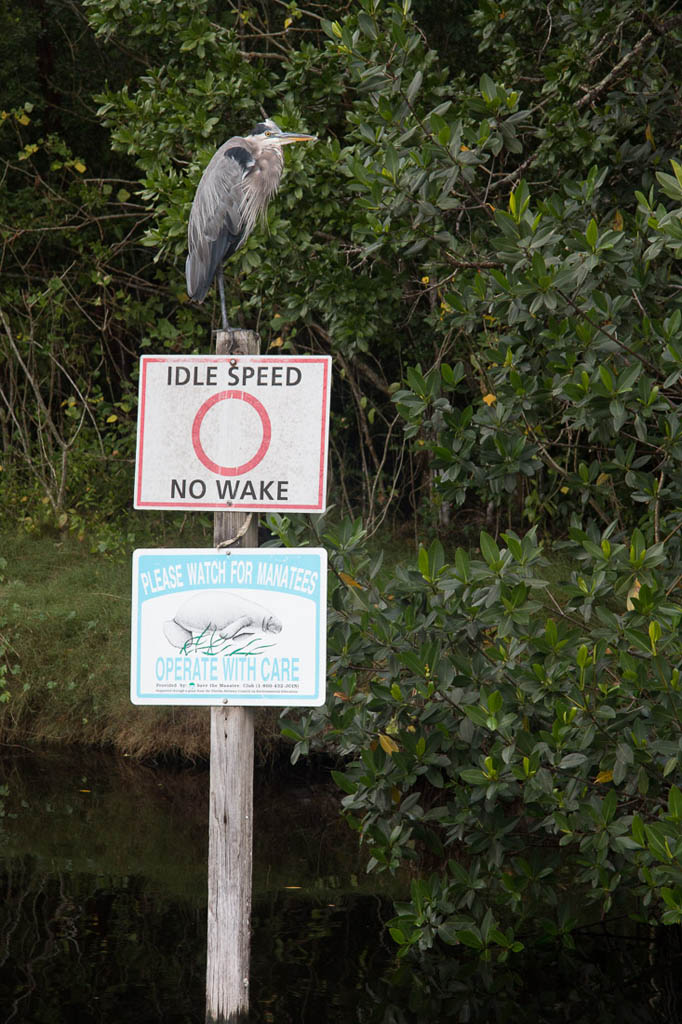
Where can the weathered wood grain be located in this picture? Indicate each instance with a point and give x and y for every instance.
(230, 829)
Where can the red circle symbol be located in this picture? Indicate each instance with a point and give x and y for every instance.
(224, 396)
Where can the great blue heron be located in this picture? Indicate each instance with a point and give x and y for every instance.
(239, 181)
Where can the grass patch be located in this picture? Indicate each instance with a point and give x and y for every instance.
(65, 630)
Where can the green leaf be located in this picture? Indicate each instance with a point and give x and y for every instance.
(489, 549)
(462, 564)
(675, 803)
(471, 938)
(609, 806)
(637, 547)
(414, 86)
(514, 545)
(572, 760)
(367, 25)
(495, 702)
(606, 377)
(448, 932)
(343, 782)
(488, 88)
(638, 830)
(654, 634)
(478, 715)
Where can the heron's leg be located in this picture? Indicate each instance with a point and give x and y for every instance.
(221, 292)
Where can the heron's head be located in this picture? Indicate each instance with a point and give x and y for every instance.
(268, 134)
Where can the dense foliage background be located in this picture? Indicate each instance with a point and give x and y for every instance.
(487, 239)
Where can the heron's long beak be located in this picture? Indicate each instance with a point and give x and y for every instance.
(286, 137)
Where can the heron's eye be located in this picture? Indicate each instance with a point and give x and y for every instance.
(267, 133)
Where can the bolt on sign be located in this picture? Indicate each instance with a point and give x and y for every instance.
(233, 433)
(245, 626)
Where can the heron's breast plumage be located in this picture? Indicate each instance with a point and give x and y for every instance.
(259, 186)
(234, 191)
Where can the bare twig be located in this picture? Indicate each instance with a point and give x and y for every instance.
(615, 71)
(657, 507)
(513, 177)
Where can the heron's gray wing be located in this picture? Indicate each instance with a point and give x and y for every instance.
(215, 224)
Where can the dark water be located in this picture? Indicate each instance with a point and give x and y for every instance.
(103, 917)
(104, 910)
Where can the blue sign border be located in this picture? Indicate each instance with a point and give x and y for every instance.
(149, 560)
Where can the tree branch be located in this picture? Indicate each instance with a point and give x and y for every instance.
(615, 71)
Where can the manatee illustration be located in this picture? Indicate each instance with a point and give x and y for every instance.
(221, 612)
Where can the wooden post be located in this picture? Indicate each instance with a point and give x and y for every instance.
(230, 827)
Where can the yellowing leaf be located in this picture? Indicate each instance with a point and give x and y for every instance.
(649, 136)
(287, 22)
(564, 490)
(112, 418)
(617, 223)
(341, 696)
(24, 119)
(79, 166)
(388, 745)
(633, 592)
(349, 581)
(395, 795)
(604, 777)
(489, 399)
(425, 279)
(277, 343)
(603, 478)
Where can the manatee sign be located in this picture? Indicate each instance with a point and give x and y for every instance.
(233, 433)
(245, 626)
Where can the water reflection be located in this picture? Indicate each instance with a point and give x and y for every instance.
(79, 948)
(103, 918)
(104, 915)
(634, 977)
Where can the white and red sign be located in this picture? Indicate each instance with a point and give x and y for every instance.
(233, 433)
